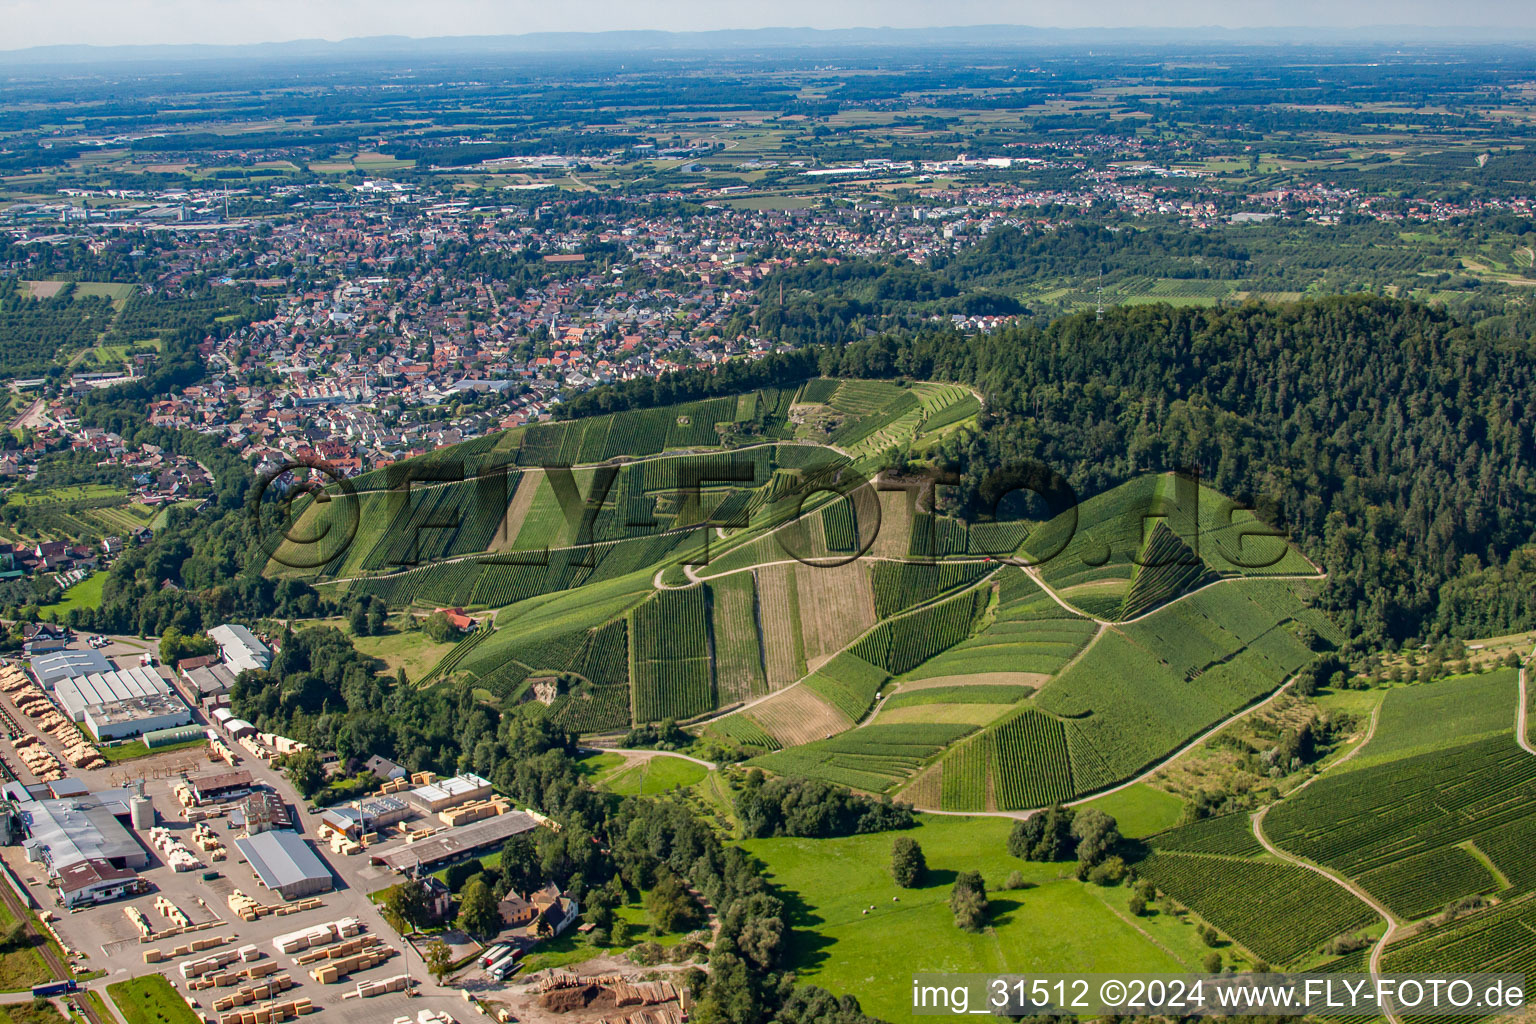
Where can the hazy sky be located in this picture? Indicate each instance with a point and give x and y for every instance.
(41, 22)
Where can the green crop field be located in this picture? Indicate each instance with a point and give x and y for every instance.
(1423, 823)
(650, 776)
(1280, 912)
(1450, 711)
(874, 758)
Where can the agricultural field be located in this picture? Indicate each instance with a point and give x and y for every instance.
(836, 605)
(1435, 822)
(672, 674)
(1279, 912)
(604, 596)
(1446, 712)
(1099, 555)
(873, 759)
(738, 642)
(797, 715)
(1496, 940)
(1140, 691)
(783, 648)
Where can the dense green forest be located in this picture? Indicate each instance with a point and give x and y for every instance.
(1393, 440)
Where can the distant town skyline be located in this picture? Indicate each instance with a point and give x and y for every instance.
(32, 23)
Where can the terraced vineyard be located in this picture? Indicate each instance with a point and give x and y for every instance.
(1396, 826)
(671, 662)
(1230, 835)
(1280, 912)
(873, 759)
(1029, 755)
(1497, 940)
(693, 580)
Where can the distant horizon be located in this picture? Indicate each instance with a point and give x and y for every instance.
(94, 26)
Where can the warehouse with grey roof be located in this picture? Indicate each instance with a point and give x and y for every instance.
(286, 863)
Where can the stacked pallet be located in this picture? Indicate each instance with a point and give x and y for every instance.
(248, 909)
(319, 935)
(225, 978)
(337, 951)
(333, 971)
(168, 909)
(209, 842)
(139, 921)
(269, 1013)
(247, 994)
(155, 956)
(174, 850)
(381, 986)
(223, 958)
(476, 810)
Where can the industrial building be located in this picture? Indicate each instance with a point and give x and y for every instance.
(238, 728)
(96, 881)
(445, 793)
(64, 831)
(205, 682)
(120, 702)
(120, 719)
(50, 668)
(240, 649)
(209, 789)
(366, 815)
(456, 844)
(262, 811)
(286, 864)
(156, 738)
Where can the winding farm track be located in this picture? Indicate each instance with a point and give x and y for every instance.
(1522, 727)
(1339, 880)
(1386, 915)
(647, 755)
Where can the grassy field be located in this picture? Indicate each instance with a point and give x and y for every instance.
(648, 777)
(1140, 809)
(135, 749)
(85, 594)
(67, 492)
(410, 649)
(29, 1013)
(20, 969)
(150, 1000)
(829, 883)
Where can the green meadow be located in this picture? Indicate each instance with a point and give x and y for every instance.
(1056, 923)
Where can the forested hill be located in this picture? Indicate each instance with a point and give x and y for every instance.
(1397, 443)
